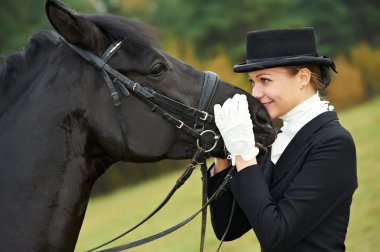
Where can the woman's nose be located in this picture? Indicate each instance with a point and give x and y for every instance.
(257, 93)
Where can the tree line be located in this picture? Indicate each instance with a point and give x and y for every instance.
(340, 24)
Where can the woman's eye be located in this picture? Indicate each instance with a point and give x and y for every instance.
(252, 82)
(158, 69)
(265, 80)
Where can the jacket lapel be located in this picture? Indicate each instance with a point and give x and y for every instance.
(298, 145)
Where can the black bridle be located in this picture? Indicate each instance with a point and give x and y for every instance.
(161, 104)
(166, 107)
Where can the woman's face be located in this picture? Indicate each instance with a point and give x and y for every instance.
(277, 90)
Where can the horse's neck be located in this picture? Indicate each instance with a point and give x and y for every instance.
(45, 180)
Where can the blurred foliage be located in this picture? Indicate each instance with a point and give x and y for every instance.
(17, 22)
(212, 24)
(209, 24)
(210, 35)
(19, 19)
(367, 60)
(347, 87)
(219, 63)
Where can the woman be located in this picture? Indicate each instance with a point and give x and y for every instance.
(298, 197)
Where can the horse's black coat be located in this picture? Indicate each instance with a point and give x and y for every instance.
(59, 131)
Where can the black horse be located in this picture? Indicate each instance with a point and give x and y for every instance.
(59, 131)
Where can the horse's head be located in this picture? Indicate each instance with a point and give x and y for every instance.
(149, 136)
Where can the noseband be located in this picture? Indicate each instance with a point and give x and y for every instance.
(169, 109)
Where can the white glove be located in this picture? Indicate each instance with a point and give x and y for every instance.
(235, 125)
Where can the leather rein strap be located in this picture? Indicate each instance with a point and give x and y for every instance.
(215, 196)
(164, 106)
(203, 105)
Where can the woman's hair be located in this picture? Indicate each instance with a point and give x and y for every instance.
(320, 78)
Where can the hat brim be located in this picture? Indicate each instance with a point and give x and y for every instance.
(249, 67)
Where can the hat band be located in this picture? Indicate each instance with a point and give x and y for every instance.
(253, 61)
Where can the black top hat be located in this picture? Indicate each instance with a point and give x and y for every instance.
(284, 47)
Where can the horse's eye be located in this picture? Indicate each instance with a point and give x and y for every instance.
(158, 69)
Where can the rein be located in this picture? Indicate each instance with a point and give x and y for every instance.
(166, 107)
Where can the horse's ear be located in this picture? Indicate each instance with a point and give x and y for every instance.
(74, 27)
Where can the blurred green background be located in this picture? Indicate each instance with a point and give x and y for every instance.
(210, 35)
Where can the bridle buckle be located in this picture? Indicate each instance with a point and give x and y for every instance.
(204, 117)
(180, 125)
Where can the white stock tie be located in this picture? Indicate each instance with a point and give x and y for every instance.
(294, 120)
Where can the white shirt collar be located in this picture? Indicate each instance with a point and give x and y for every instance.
(294, 120)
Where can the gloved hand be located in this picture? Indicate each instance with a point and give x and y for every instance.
(235, 125)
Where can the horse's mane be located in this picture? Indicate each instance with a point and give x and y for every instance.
(16, 65)
(14, 69)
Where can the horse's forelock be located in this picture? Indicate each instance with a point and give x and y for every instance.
(135, 34)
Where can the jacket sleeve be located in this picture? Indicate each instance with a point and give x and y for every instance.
(327, 177)
(220, 210)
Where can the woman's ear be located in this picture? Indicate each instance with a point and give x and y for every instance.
(304, 77)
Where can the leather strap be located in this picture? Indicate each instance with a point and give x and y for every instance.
(180, 181)
(210, 84)
(174, 228)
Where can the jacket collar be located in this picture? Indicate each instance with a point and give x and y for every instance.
(295, 148)
(308, 130)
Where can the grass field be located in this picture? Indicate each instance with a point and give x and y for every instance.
(109, 216)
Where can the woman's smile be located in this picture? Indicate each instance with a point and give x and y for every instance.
(267, 104)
